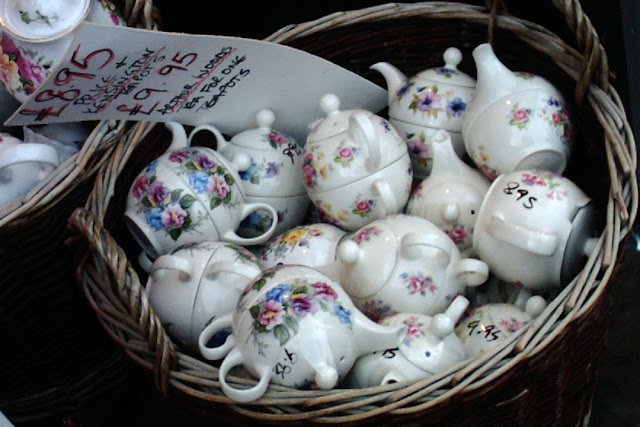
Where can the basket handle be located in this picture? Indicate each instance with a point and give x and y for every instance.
(595, 65)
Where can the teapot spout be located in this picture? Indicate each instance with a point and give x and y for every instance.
(494, 79)
(370, 336)
(394, 77)
(179, 136)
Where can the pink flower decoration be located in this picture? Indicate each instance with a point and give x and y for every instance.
(173, 215)
(277, 138)
(178, 156)
(457, 234)
(363, 206)
(219, 186)
(521, 115)
(272, 315)
(325, 291)
(414, 329)
(309, 173)
(141, 184)
(346, 153)
(417, 284)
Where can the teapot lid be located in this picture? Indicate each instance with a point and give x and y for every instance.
(449, 73)
(264, 137)
(42, 20)
(335, 122)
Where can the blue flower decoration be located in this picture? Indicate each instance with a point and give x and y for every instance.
(456, 107)
(246, 175)
(152, 167)
(272, 170)
(154, 218)
(198, 181)
(343, 314)
(279, 294)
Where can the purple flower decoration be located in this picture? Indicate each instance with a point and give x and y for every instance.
(272, 170)
(428, 101)
(301, 305)
(218, 185)
(203, 162)
(404, 89)
(158, 193)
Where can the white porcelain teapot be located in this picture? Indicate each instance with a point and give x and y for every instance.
(405, 264)
(297, 327)
(274, 175)
(451, 196)
(516, 120)
(430, 346)
(433, 99)
(356, 166)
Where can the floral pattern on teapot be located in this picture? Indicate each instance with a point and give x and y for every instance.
(376, 310)
(552, 110)
(419, 283)
(482, 160)
(287, 242)
(287, 303)
(543, 178)
(415, 329)
(428, 101)
(257, 172)
(169, 210)
(419, 149)
(20, 71)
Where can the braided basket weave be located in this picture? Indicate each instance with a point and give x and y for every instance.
(545, 375)
(54, 352)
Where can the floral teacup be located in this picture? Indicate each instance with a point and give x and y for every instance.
(34, 41)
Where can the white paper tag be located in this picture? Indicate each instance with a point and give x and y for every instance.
(125, 73)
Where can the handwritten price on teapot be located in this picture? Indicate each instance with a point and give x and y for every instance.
(490, 331)
(513, 188)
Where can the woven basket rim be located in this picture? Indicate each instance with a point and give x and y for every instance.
(174, 370)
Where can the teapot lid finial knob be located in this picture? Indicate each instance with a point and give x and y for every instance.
(265, 119)
(330, 104)
(452, 57)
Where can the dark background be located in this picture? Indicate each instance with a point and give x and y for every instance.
(137, 402)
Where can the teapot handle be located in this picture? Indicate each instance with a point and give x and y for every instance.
(473, 272)
(389, 203)
(364, 133)
(236, 358)
(207, 333)
(172, 262)
(413, 244)
(232, 237)
(534, 241)
(227, 266)
(220, 141)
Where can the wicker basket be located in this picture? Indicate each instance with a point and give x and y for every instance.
(546, 374)
(54, 352)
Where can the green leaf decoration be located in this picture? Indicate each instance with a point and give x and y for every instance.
(259, 327)
(292, 323)
(229, 178)
(186, 201)
(255, 311)
(282, 333)
(146, 202)
(175, 195)
(24, 16)
(191, 166)
(300, 290)
(255, 179)
(175, 233)
(259, 284)
(435, 88)
(215, 202)
(187, 222)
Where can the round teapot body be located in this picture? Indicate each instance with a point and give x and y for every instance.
(525, 225)
(197, 283)
(356, 204)
(313, 245)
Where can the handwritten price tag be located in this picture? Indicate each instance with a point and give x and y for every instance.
(132, 74)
